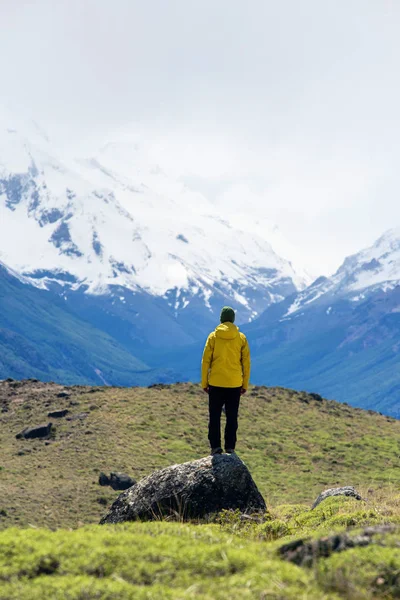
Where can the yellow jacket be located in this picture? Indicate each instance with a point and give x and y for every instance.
(226, 358)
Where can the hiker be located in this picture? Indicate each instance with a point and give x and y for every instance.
(225, 373)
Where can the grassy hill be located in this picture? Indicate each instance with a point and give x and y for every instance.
(295, 444)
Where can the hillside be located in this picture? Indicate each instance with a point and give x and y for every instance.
(295, 444)
(41, 337)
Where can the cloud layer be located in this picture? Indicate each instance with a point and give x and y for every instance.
(287, 109)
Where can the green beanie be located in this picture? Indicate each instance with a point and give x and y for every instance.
(227, 314)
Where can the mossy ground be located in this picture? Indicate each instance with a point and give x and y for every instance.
(293, 444)
(227, 559)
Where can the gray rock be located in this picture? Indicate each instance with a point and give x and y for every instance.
(121, 481)
(104, 479)
(59, 413)
(191, 490)
(41, 431)
(78, 417)
(118, 481)
(340, 491)
(305, 553)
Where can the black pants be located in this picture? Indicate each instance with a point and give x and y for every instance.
(217, 398)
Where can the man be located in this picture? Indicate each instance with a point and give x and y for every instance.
(225, 373)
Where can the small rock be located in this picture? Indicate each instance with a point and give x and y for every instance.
(121, 481)
(41, 431)
(24, 451)
(59, 413)
(62, 395)
(118, 481)
(102, 500)
(340, 491)
(304, 552)
(78, 417)
(103, 479)
(159, 386)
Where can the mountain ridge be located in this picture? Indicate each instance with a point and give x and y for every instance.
(104, 222)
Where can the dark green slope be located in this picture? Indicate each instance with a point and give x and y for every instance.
(41, 338)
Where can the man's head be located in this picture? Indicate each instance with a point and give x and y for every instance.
(227, 314)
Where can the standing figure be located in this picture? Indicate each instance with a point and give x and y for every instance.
(225, 373)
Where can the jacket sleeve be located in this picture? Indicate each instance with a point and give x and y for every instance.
(246, 363)
(206, 360)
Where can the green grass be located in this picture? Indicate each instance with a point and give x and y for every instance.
(294, 446)
(152, 560)
(206, 561)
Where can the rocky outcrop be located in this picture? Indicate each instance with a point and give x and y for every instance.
(340, 491)
(118, 481)
(190, 490)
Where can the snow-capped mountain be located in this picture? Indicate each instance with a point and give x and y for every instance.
(116, 222)
(373, 269)
(340, 336)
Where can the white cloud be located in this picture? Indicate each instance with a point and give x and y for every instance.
(287, 108)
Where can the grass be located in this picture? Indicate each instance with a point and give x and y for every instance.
(152, 560)
(293, 444)
(231, 559)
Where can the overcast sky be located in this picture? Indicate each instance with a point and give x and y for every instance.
(288, 109)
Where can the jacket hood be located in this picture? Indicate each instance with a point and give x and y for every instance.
(227, 331)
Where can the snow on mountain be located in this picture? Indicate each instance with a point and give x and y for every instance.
(117, 220)
(372, 269)
(378, 265)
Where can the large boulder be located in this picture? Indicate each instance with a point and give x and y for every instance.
(190, 490)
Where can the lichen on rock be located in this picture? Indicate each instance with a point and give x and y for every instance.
(190, 490)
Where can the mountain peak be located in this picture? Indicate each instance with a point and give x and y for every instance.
(119, 220)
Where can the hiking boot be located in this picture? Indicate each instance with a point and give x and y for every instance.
(230, 451)
(216, 451)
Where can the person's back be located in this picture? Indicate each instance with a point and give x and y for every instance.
(225, 376)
